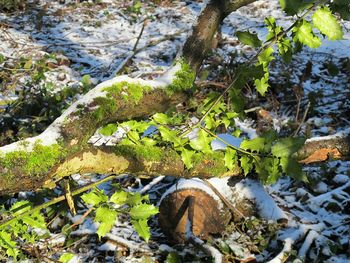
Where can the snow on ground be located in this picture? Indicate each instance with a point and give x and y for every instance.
(96, 40)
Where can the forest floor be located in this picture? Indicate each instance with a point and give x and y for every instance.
(51, 53)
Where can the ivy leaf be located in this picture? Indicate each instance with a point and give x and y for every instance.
(119, 197)
(303, 34)
(143, 211)
(293, 7)
(109, 129)
(66, 257)
(186, 157)
(106, 217)
(328, 25)
(161, 118)
(287, 146)
(292, 168)
(246, 164)
(142, 228)
(202, 142)
(94, 197)
(136, 198)
(255, 145)
(247, 38)
(7, 243)
(171, 136)
(35, 220)
(285, 49)
(272, 165)
(230, 158)
(266, 56)
(262, 85)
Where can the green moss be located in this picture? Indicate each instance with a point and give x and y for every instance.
(147, 153)
(36, 162)
(107, 106)
(210, 163)
(129, 91)
(184, 78)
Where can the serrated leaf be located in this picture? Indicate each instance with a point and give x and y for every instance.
(247, 38)
(254, 145)
(35, 220)
(66, 257)
(142, 228)
(119, 197)
(287, 146)
(274, 173)
(326, 22)
(143, 211)
(8, 244)
(161, 118)
(186, 157)
(266, 56)
(171, 136)
(293, 7)
(95, 197)
(285, 49)
(230, 158)
(246, 164)
(291, 167)
(304, 34)
(136, 198)
(109, 129)
(106, 217)
(262, 85)
(202, 142)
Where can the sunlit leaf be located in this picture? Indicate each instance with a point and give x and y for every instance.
(326, 22)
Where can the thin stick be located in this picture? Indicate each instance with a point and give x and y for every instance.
(302, 120)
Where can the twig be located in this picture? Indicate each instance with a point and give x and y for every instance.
(82, 218)
(151, 184)
(233, 209)
(56, 200)
(303, 119)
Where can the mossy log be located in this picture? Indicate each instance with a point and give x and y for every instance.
(63, 149)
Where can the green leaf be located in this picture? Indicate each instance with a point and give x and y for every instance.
(173, 257)
(186, 157)
(171, 136)
(285, 49)
(119, 197)
(161, 118)
(66, 257)
(106, 217)
(326, 22)
(202, 142)
(247, 38)
(95, 197)
(262, 85)
(293, 7)
(304, 34)
(20, 207)
(255, 145)
(8, 244)
(246, 164)
(272, 165)
(35, 220)
(143, 211)
(292, 168)
(136, 198)
(142, 228)
(230, 158)
(287, 146)
(266, 56)
(109, 129)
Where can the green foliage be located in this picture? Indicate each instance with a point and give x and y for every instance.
(342, 7)
(107, 210)
(66, 257)
(184, 78)
(328, 25)
(247, 38)
(304, 34)
(108, 129)
(293, 7)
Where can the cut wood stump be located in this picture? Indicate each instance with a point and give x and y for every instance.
(210, 215)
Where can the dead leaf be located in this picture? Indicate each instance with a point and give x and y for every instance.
(322, 155)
